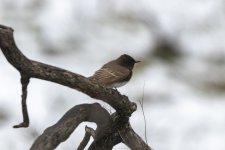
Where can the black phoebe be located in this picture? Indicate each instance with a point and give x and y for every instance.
(115, 73)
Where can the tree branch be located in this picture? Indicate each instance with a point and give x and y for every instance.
(24, 81)
(88, 133)
(110, 130)
(39, 70)
(132, 140)
(59, 132)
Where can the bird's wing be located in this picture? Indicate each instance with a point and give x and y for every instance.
(106, 76)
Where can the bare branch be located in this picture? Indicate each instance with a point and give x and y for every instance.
(132, 140)
(24, 81)
(59, 132)
(39, 70)
(88, 133)
(110, 130)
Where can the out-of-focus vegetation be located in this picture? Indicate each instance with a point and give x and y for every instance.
(181, 46)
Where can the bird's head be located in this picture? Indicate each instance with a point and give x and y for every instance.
(127, 61)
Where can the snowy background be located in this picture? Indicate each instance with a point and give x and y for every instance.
(181, 77)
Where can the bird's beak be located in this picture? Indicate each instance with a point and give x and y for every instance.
(137, 61)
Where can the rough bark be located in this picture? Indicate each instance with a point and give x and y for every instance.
(59, 132)
(110, 129)
(88, 133)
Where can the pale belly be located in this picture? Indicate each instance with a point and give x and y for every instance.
(116, 85)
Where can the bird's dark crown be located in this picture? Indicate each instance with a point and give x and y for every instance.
(127, 61)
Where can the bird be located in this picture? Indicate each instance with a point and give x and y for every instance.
(115, 73)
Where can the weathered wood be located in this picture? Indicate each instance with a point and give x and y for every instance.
(110, 131)
(59, 132)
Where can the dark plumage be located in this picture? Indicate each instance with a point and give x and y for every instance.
(115, 73)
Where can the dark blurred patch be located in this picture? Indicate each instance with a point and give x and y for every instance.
(59, 103)
(210, 88)
(35, 6)
(155, 98)
(166, 51)
(218, 59)
(215, 87)
(67, 46)
(49, 49)
(4, 116)
(215, 81)
(32, 133)
(48, 46)
(208, 80)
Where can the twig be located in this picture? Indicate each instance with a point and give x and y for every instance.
(88, 133)
(24, 81)
(143, 112)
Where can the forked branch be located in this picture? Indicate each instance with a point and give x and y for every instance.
(34, 69)
(110, 130)
(59, 132)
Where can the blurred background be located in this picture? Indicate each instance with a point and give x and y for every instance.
(180, 79)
